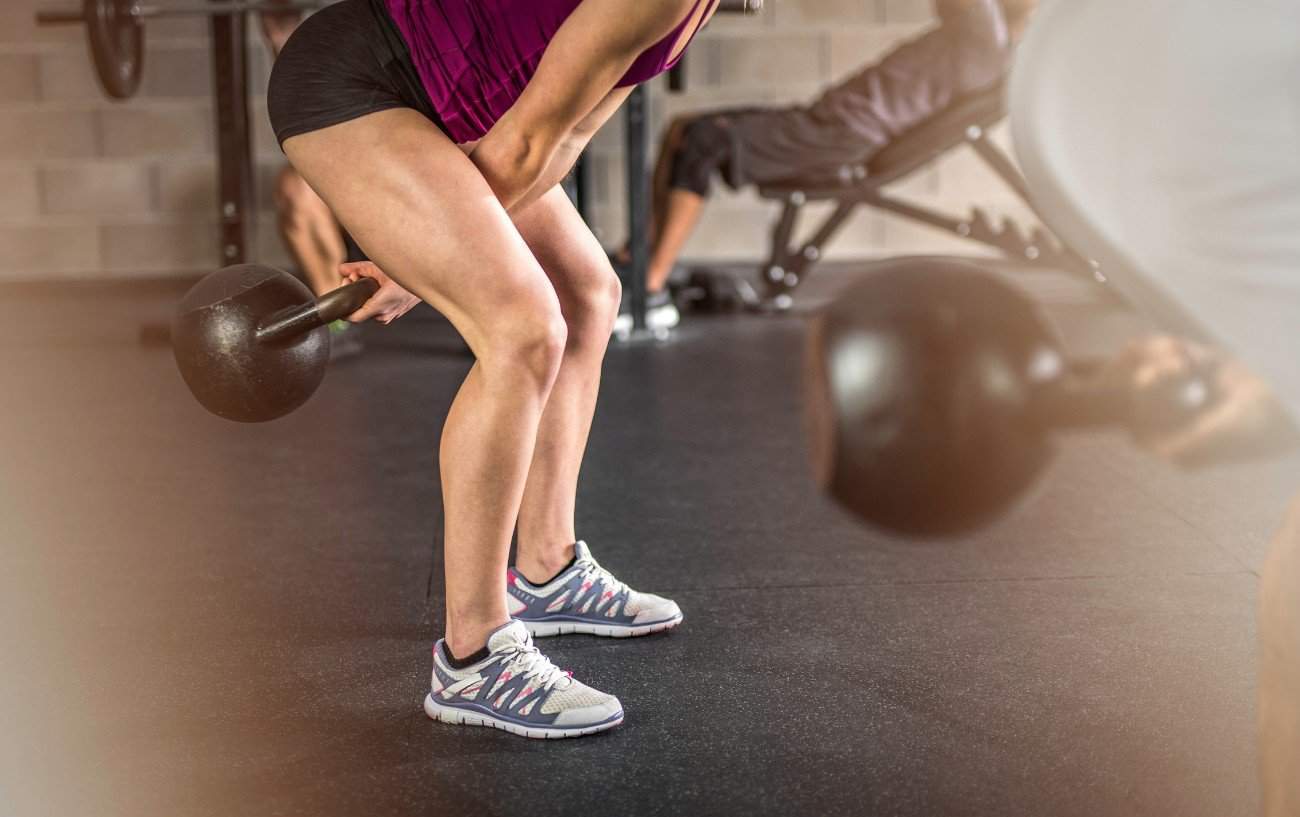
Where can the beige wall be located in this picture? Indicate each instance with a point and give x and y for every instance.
(101, 189)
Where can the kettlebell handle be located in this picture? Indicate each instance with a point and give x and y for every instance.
(1082, 403)
(333, 305)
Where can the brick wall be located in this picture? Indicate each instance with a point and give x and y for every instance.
(102, 189)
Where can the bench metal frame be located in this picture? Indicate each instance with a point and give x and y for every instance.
(965, 123)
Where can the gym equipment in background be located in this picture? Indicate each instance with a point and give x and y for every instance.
(115, 31)
(965, 122)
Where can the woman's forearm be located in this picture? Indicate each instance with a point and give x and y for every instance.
(596, 45)
(570, 148)
(561, 164)
(519, 179)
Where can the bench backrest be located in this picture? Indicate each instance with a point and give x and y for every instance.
(938, 135)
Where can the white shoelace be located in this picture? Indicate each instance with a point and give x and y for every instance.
(592, 571)
(529, 662)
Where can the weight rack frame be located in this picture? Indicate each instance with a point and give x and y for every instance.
(236, 166)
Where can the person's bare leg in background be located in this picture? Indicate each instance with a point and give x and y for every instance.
(310, 232)
(661, 180)
(681, 216)
(676, 212)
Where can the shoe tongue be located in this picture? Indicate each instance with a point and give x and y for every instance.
(581, 552)
(514, 634)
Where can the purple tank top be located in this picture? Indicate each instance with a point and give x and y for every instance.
(475, 57)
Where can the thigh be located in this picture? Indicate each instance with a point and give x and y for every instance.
(758, 145)
(422, 211)
(568, 251)
(780, 144)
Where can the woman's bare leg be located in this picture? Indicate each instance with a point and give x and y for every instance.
(425, 215)
(1279, 672)
(589, 297)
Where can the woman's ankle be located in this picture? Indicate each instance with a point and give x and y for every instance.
(540, 564)
(464, 639)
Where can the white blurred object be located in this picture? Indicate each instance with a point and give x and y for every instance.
(1164, 136)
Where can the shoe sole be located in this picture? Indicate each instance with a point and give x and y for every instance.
(543, 629)
(451, 714)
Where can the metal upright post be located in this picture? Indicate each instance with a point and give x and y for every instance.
(576, 185)
(638, 204)
(237, 206)
(582, 186)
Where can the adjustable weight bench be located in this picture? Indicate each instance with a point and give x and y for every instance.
(965, 122)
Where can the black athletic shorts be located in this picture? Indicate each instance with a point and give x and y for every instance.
(345, 61)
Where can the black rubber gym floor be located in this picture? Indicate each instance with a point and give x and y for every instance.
(203, 618)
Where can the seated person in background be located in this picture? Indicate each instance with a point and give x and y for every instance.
(968, 51)
(309, 230)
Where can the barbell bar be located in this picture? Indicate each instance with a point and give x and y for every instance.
(115, 29)
(194, 8)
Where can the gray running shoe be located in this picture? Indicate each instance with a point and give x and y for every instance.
(586, 598)
(519, 690)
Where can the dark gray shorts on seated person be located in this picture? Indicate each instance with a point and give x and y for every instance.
(745, 146)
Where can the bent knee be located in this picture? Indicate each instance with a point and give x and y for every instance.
(676, 129)
(613, 297)
(705, 148)
(591, 311)
(527, 342)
